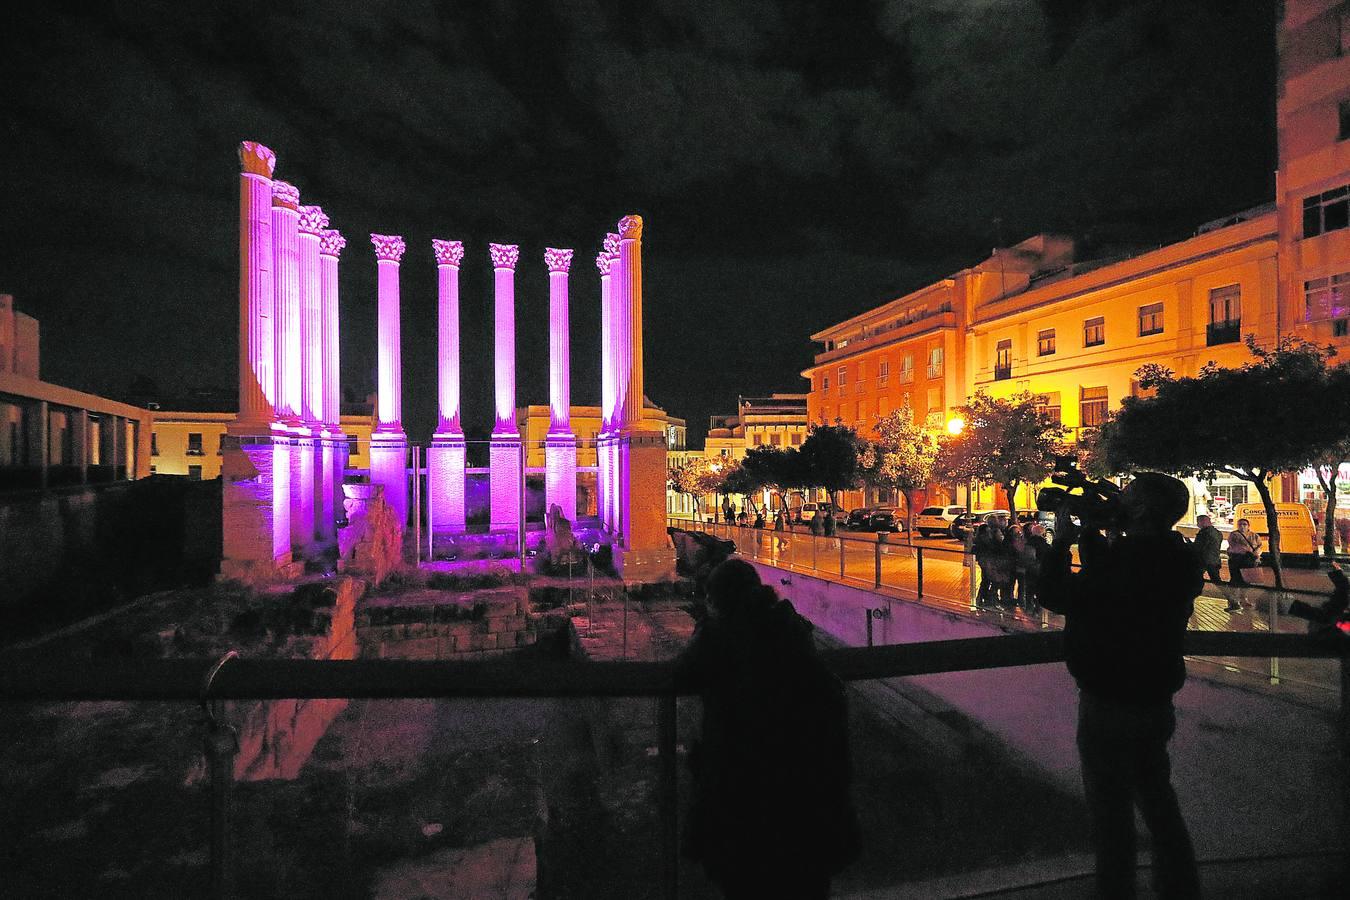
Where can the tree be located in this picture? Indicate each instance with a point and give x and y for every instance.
(828, 459)
(686, 477)
(1280, 413)
(1008, 442)
(902, 457)
(773, 467)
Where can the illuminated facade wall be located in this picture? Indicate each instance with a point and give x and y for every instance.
(1313, 180)
(183, 439)
(534, 423)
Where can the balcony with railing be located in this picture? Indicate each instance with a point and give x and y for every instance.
(1227, 332)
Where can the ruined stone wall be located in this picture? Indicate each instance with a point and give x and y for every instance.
(491, 626)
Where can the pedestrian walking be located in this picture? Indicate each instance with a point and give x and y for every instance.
(1244, 549)
(1208, 542)
(1343, 532)
(818, 523)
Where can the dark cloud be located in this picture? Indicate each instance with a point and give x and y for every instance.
(797, 162)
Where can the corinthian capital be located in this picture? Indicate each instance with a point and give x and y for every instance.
(603, 261)
(285, 195)
(557, 260)
(630, 228)
(448, 253)
(388, 246)
(331, 242)
(313, 220)
(612, 244)
(256, 159)
(504, 256)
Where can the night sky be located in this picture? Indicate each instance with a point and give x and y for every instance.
(795, 162)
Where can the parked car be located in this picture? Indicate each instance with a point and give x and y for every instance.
(1038, 517)
(807, 512)
(857, 519)
(933, 520)
(886, 518)
(968, 521)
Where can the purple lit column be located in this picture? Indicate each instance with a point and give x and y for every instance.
(307, 467)
(286, 274)
(255, 472)
(604, 475)
(331, 244)
(504, 461)
(446, 455)
(388, 443)
(560, 447)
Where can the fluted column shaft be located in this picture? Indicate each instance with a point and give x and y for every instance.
(257, 379)
(449, 255)
(286, 262)
(618, 336)
(312, 223)
(504, 258)
(389, 413)
(559, 342)
(630, 263)
(331, 244)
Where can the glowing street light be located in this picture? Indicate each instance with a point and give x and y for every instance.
(956, 425)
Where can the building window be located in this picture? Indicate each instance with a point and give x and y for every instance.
(1048, 404)
(194, 447)
(1094, 331)
(757, 439)
(1326, 298)
(154, 444)
(1343, 113)
(220, 450)
(194, 473)
(884, 371)
(1225, 316)
(843, 376)
(934, 400)
(776, 439)
(796, 438)
(825, 384)
(353, 444)
(883, 406)
(1340, 328)
(935, 362)
(1150, 319)
(1092, 407)
(907, 368)
(1045, 342)
(153, 470)
(1003, 360)
(1327, 211)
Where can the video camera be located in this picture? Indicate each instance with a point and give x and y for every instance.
(1095, 503)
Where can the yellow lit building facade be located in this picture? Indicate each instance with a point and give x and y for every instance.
(189, 443)
(534, 423)
(1034, 317)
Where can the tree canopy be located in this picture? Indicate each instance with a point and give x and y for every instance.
(1005, 441)
(828, 458)
(902, 457)
(1280, 413)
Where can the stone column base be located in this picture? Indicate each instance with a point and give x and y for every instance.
(389, 467)
(255, 507)
(560, 474)
(504, 482)
(445, 483)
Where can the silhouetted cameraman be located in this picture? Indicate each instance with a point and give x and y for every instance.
(1125, 617)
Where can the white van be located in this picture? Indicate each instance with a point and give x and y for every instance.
(1298, 532)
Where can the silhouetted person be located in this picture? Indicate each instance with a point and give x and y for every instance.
(771, 814)
(1125, 616)
(1208, 543)
(1334, 610)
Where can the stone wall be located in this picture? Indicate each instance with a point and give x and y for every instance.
(276, 737)
(441, 625)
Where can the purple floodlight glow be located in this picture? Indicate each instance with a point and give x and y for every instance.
(331, 245)
(449, 254)
(257, 339)
(286, 271)
(504, 258)
(311, 225)
(389, 250)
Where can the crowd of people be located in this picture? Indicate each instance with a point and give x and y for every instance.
(1009, 557)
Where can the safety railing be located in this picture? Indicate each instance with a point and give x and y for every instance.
(210, 682)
